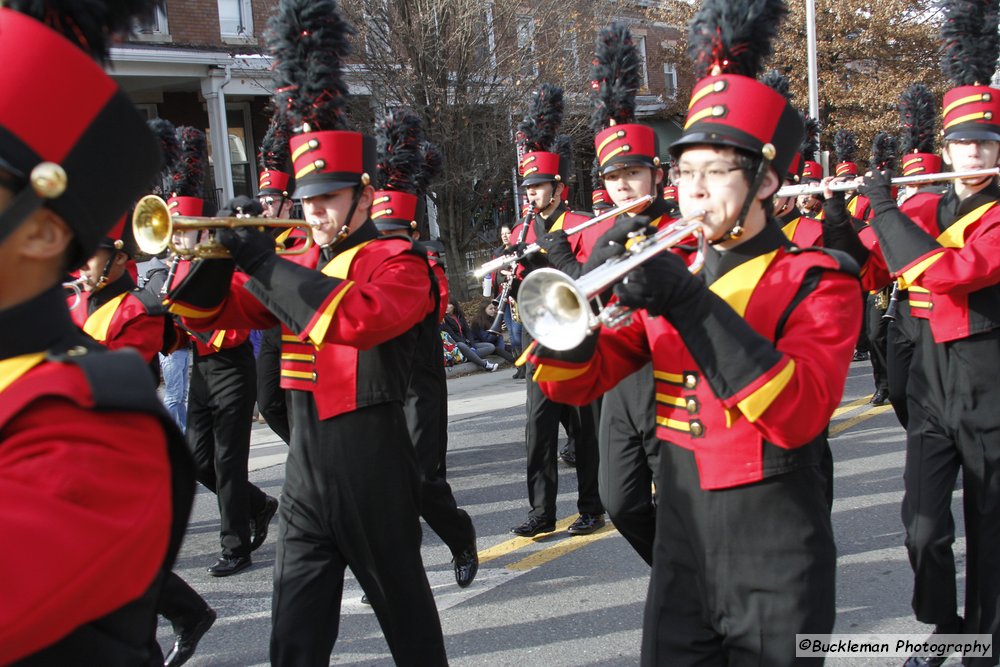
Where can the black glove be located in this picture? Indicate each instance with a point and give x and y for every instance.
(250, 247)
(535, 260)
(612, 242)
(556, 245)
(877, 186)
(657, 284)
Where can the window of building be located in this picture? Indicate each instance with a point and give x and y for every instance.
(670, 79)
(526, 45)
(236, 18)
(154, 27)
(645, 70)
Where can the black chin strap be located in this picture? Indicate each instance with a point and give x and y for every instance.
(345, 230)
(736, 230)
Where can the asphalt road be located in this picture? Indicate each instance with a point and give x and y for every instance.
(560, 600)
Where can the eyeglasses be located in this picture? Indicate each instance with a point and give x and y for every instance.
(714, 174)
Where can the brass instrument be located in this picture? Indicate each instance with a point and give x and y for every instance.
(919, 179)
(154, 227)
(76, 287)
(555, 309)
(508, 260)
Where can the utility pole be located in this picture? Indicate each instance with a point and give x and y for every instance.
(811, 58)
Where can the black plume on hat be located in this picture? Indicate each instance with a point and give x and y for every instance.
(917, 113)
(615, 77)
(734, 35)
(89, 24)
(538, 129)
(971, 42)
(563, 147)
(188, 176)
(309, 42)
(166, 133)
(885, 152)
(400, 138)
(778, 82)
(274, 151)
(596, 182)
(810, 140)
(433, 166)
(845, 145)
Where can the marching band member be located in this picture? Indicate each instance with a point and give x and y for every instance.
(407, 164)
(273, 189)
(543, 171)
(95, 479)
(942, 248)
(349, 307)
(750, 359)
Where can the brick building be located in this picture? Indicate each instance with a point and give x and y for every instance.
(203, 63)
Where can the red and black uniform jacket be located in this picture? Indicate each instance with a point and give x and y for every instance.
(803, 231)
(120, 315)
(946, 252)
(96, 486)
(344, 316)
(748, 371)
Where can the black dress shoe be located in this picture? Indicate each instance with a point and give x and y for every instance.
(227, 566)
(585, 524)
(466, 565)
(881, 397)
(188, 640)
(860, 356)
(534, 526)
(568, 456)
(365, 600)
(258, 530)
(518, 374)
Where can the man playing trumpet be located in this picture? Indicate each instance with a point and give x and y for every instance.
(749, 362)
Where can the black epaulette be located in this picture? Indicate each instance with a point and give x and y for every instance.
(844, 261)
(118, 380)
(152, 303)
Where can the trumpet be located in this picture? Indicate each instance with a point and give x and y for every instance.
(507, 260)
(555, 309)
(918, 179)
(154, 227)
(76, 287)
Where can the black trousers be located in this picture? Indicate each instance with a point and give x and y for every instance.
(426, 411)
(629, 454)
(270, 395)
(737, 572)
(350, 500)
(220, 408)
(863, 344)
(180, 604)
(901, 337)
(954, 426)
(876, 328)
(542, 442)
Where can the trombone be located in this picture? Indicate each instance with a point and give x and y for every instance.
(555, 309)
(918, 179)
(507, 260)
(154, 227)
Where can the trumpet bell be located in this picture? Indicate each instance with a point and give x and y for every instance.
(152, 225)
(554, 310)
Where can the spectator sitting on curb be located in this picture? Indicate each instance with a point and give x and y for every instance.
(454, 325)
(481, 331)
